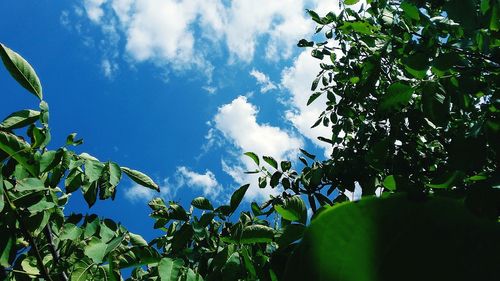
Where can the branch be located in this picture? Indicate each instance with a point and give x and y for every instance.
(54, 251)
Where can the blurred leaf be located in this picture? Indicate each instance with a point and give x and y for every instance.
(256, 234)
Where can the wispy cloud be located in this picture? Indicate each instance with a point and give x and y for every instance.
(205, 182)
(263, 80)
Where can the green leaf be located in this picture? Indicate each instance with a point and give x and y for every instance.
(140, 178)
(254, 157)
(169, 269)
(20, 119)
(285, 165)
(270, 160)
(29, 265)
(294, 209)
(232, 268)
(70, 232)
(202, 203)
(417, 65)
(137, 240)
(275, 179)
(398, 96)
(256, 234)
(30, 184)
(313, 97)
(309, 155)
(50, 159)
(390, 183)
(410, 10)
(95, 250)
(90, 192)
(7, 247)
(345, 242)
(446, 180)
(21, 70)
(350, 2)
(237, 196)
(290, 234)
(93, 169)
(110, 178)
(18, 149)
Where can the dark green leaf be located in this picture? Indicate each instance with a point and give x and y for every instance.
(390, 183)
(237, 196)
(410, 10)
(398, 95)
(254, 157)
(313, 97)
(18, 149)
(350, 2)
(202, 203)
(21, 70)
(290, 234)
(256, 234)
(294, 209)
(270, 160)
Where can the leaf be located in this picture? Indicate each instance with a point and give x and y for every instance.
(21, 70)
(93, 169)
(169, 269)
(390, 183)
(285, 165)
(410, 10)
(237, 196)
(20, 119)
(110, 179)
(314, 84)
(294, 209)
(30, 184)
(70, 232)
(140, 178)
(7, 247)
(398, 96)
(49, 160)
(254, 157)
(275, 179)
(232, 268)
(290, 234)
(313, 97)
(257, 234)
(348, 239)
(202, 203)
(95, 250)
(137, 240)
(18, 149)
(90, 192)
(350, 2)
(309, 155)
(304, 43)
(446, 180)
(417, 65)
(270, 160)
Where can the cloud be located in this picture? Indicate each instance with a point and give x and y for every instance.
(140, 194)
(109, 68)
(263, 80)
(237, 121)
(206, 182)
(94, 10)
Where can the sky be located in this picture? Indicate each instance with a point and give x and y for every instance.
(176, 89)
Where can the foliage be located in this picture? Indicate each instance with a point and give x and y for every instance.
(412, 102)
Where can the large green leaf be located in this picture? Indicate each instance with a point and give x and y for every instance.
(390, 238)
(21, 70)
(202, 203)
(256, 234)
(398, 95)
(18, 149)
(20, 119)
(169, 269)
(50, 159)
(254, 157)
(140, 178)
(95, 249)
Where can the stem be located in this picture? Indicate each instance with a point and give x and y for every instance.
(43, 270)
(54, 251)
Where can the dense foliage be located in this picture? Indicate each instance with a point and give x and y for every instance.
(413, 106)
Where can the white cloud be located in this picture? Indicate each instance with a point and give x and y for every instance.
(297, 80)
(140, 194)
(263, 80)
(237, 121)
(206, 182)
(94, 10)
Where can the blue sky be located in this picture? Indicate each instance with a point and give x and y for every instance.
(176, 89)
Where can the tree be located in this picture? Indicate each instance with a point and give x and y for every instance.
(412, 102)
